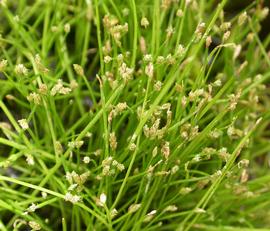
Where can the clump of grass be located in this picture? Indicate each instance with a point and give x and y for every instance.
(133, 115)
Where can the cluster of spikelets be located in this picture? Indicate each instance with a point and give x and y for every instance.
(150, 115)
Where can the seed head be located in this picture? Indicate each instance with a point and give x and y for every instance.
(250, 37)
(144, 22)
(200, 30)
(24, 124)
(32, 208)
(171, 208)
(193, 95)
(166, 4)
(215, 133)
(54, 29)
(242, 18)
(263, 13)
(147, 58)
(169, 31)
(160, 59)
(120, 167)
(132, 147)
(199, 210)
(78, 69)
(237, 51)
(72, 198)
(73, 84)
(233, 99)
(64, 90)
(34, 97)
(149, 216)
(174, 169)
(107, 161)
(149, 70)
(125, 12)
(58, 148)
(107, 59)
(43, 89)
(67, 28)
(179, 13)
(188, 2)
(86, 159)
(226, 36)
(5, 126)
(125, 72)
(165, 150)
(185, 190)
(112, 140)
(243, 163)
(170, 59)
(34, 225)
(107, 48)
(180, 50)
(225, 26)
(208, 41)
(134, 208)
(39, 64)
(44, 195)
(113, 213)
(158, 86)
(244, 176)
(3, 65)
(20, 69)
(3, 3)
(75, 144)
(60, 89)
(143, 47)
(30, 160)
(103, 198)
(119, 108)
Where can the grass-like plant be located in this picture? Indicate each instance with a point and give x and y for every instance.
(133, 115)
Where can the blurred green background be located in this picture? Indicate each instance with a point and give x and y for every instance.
(235, 6)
